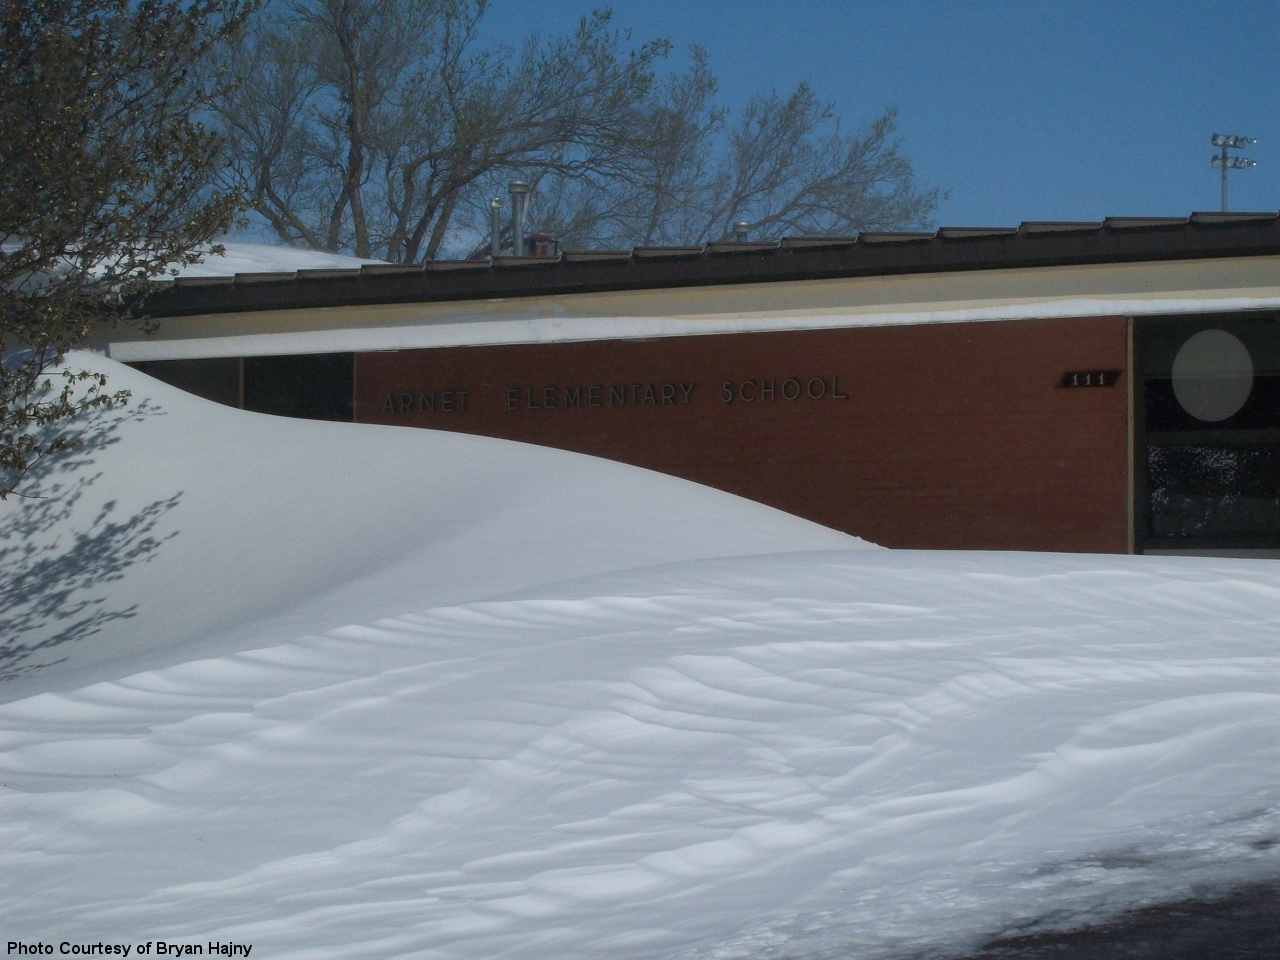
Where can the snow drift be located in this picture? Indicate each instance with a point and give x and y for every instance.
(181, 521)
(365, 691)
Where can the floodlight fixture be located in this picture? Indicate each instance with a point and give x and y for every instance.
(1232, 140)
(1233, 163)
(1223, 162)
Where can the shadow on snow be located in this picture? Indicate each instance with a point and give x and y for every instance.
(52, 575)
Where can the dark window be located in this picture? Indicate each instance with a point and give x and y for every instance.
(1260, 412)
(312, 386)
(216, 379)
(1208, 432)
(1214, 492)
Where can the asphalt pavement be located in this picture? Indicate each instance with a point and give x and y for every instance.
(1241, 925)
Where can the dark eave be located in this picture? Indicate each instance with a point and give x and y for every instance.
(1114, 240)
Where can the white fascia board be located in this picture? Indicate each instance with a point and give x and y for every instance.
(490, 332)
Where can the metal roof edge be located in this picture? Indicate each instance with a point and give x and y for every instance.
(1031, 244)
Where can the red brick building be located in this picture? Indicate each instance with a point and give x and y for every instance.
(1106, 387)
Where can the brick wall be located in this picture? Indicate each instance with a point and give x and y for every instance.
(935, 436)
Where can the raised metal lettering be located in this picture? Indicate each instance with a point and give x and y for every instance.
(648, 395)
(593, 396)
(742, 390)
(728, 391)
(766, 389)
(513, 398)
(688, 390)
(618, 395)
(1090, 378)
(822, 388)
(390, 405)
(549, 398)
(406, 402)
(573, 397)
(426, 403)
(446, 401)
(835, 390)
(790, 396)
(668, 393)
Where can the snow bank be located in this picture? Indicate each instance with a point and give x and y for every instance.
(832, 752)
(266, 258)
(183, 528)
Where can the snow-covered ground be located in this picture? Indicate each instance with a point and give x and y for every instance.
(340, 690)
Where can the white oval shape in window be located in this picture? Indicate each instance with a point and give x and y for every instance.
(1212, 375)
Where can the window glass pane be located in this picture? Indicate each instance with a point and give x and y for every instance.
(314, 386)
(217, 379)
(1207, 491)
(1165, 340)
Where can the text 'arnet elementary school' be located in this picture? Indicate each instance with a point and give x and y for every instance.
(1109, 387)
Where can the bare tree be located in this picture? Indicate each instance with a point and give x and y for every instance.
(784, 165)
(383, 127)
(655, 191)
(106, 185)
(363, 124)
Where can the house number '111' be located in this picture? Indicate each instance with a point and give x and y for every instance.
(1089, 378)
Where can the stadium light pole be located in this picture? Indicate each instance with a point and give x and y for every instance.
(1224, 162)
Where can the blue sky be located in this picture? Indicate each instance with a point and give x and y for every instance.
(1021, 111)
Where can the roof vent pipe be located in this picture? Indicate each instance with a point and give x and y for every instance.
(740, 230)
(495, 227)
(519, 191)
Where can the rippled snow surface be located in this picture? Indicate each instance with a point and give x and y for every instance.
(835, 752)
(774, 756)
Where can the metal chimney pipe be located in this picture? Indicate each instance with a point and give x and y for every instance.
(495, 227)
(519, 191)
(740, 230)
